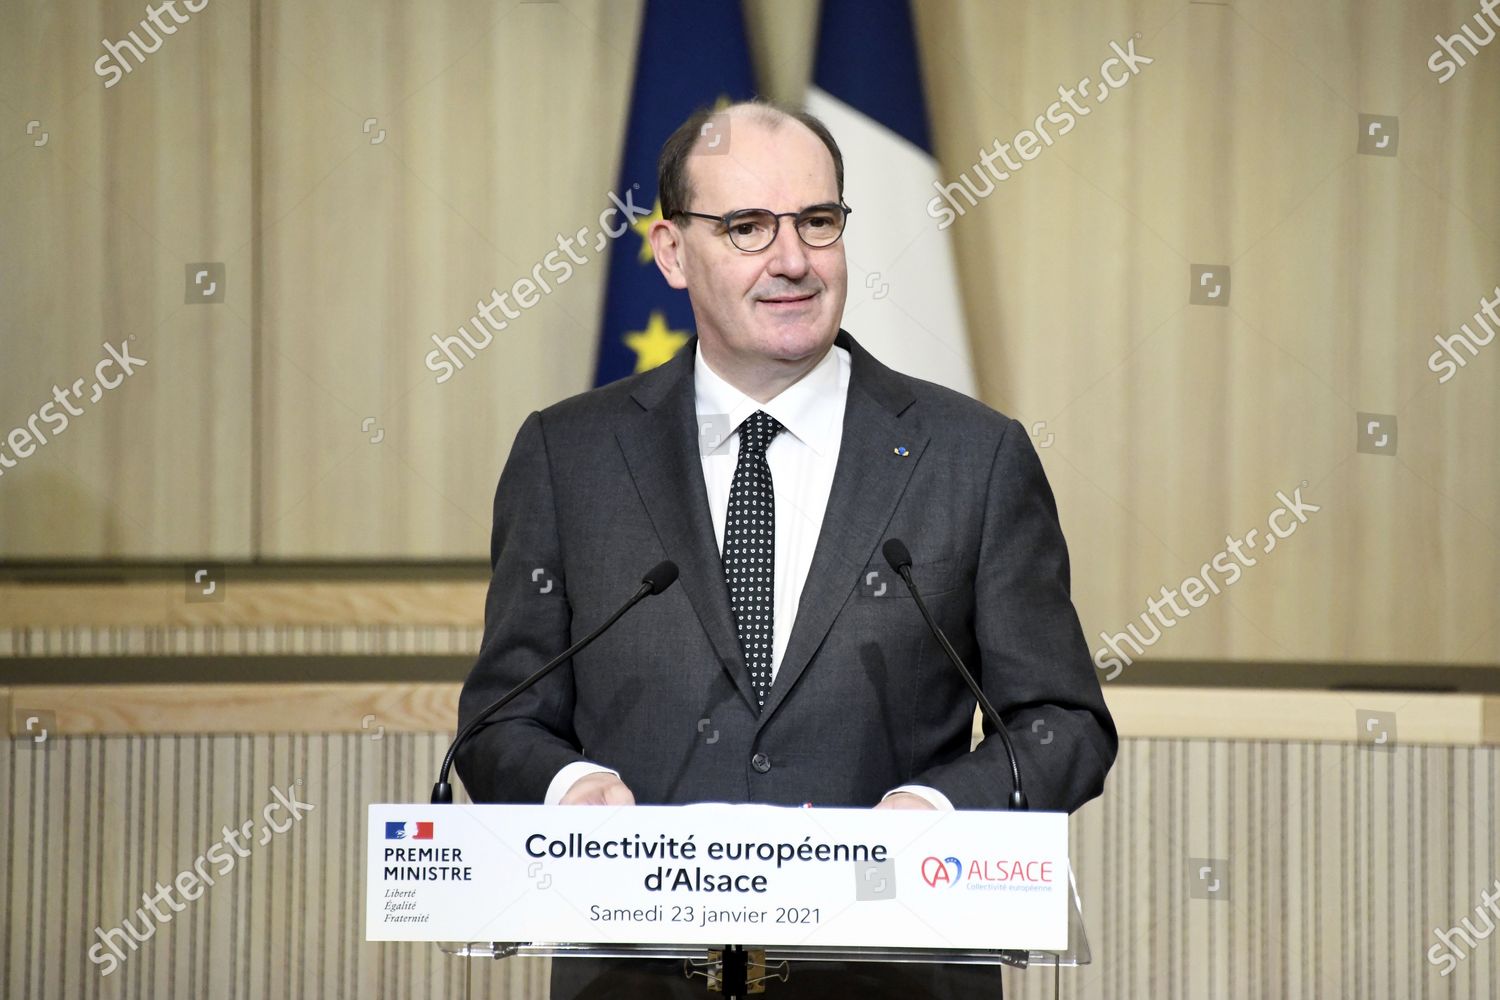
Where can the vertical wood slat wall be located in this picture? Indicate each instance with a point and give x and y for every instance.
(1340, 860)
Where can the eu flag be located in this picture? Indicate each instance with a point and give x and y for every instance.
(690, 54)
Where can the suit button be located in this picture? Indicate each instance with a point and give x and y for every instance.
(761, 763)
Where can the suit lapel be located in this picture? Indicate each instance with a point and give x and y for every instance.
(661, 451)
(867, 484)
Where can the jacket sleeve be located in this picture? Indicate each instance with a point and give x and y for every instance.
(1032, 660)
(515, 756)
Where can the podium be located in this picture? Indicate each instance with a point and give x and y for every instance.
(740, 893)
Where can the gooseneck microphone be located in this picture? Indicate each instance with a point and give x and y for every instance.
(896, 554)
(657, 578)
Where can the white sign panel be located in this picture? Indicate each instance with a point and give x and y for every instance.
(716, 874)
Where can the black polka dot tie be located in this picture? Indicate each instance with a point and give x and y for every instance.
(750, 548)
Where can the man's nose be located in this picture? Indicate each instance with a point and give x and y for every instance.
(787, 253)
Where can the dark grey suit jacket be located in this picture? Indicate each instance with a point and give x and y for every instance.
(601, 486)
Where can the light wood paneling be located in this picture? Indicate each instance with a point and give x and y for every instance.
(122, 709)
(1168, 426)
(1322, 716)
(240, 640)
(94, 822)
(133, 183)
(502, 126)
(287, 603)
(1335, 863)
(1139, 712)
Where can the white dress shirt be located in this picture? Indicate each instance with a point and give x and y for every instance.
(802, 458)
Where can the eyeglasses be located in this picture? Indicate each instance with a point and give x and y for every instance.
(754, 229)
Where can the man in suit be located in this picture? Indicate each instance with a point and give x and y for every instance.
(770, 459)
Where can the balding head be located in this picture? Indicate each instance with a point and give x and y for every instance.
(699, 133)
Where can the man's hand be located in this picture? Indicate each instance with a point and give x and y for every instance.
(900, 800)
(599, 789)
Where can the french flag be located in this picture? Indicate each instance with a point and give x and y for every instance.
(408, 831)
(904, 304)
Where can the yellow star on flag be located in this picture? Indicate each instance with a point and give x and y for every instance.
(642, 228)
(656, 344)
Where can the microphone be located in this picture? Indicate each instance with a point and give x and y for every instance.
(657, 578)
(896, 554)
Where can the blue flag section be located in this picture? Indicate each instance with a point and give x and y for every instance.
(867, 58)
(904, 305)
(690, 54)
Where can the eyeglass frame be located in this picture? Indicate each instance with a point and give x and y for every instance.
(724, 220)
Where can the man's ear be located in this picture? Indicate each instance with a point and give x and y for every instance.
(667, 248)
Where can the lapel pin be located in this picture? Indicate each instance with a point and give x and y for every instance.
(901, 450)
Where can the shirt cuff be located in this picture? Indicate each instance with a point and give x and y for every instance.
(570, 774)
(936, 798)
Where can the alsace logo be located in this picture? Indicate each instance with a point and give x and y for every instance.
(408, 831)
(935, 870)
(982, 873)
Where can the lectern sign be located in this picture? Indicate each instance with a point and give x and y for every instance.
(711, 874)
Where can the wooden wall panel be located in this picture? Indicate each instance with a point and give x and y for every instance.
(298, 419)
(501, 130)
(1337, 862)
(252, 602)
(1140, 712)
(132, 184)
(1168, 425)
